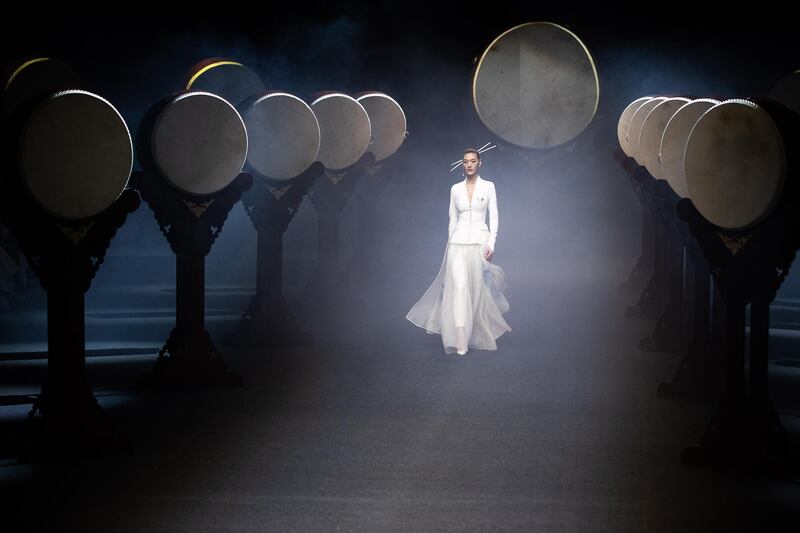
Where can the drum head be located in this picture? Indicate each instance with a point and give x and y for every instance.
(625, 122)
(75, 154)
(634, 135)
(735, 164)
(283, 136)
(345, 130)
(228, 79)
(653, 130)
(199, 143)
(36, 78)
(673, 142)
(536, 86)
(388, 123)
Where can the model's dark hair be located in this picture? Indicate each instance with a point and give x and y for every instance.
(472, 151)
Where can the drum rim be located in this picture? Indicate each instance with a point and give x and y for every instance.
(212, 62)
(518, 26)
(35, 113)
(182, 96)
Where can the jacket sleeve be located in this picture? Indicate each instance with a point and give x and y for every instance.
(453, 215)
(494, 218)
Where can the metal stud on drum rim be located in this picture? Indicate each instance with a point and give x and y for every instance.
(199, 143)
(229, 79)
(673, 142)
(75, 154)
(536, 85)
(387, 121)
(284, 136)
(735, 164)
(634, 134)
(345, 130)
(653, 131)
(625, 121)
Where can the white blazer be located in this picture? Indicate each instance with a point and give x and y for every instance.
(467, 220)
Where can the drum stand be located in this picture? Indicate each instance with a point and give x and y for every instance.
(668, 333)
(696, 373)
(271, 207)
(329, 198)
(65, 255)
(748, 266)
(191, 224)
(643, 269)
(652, 300)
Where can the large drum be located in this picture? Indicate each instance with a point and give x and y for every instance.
(634, 135)
(36, 78)
(735, 164)
(536, 85)
(229, 79)
(388, 123)
(199, 143)
(673, 142)
(345, 130)
(284, 136)
(75, 154)
(625, 122)
(653, 130)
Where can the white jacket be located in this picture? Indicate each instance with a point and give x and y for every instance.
(467, 220)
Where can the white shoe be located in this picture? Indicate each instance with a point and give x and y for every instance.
(461, 352)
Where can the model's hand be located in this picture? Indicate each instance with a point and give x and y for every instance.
(488, 254)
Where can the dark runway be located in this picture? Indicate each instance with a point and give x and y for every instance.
(375, 429)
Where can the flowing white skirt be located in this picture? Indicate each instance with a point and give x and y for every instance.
(465, 302)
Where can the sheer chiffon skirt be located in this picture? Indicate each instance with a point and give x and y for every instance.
(465, 302)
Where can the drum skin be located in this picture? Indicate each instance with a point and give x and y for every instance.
(345, 130)
(673, 142)
(634, 135)
(284, 136)
(735, 164)
(387, 121)
(199, 143)
(653, 131)
(75, 154)
(625, 121)
(536, 86)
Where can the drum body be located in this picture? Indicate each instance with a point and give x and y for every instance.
(387, 122)
(345, 130)
(75, 154)
(199, 143)
(625, 121)
(673, 142)
(284, 136)
(536, 86)
(653, 131)
(229, 79)
(634, 135)
(735, 164)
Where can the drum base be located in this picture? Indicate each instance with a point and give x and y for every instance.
(637, 277)
(666, 337)
(263, 327)
(693, 379)
(189, 360)
(54, 433)
(743, 433)
(651, 302)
